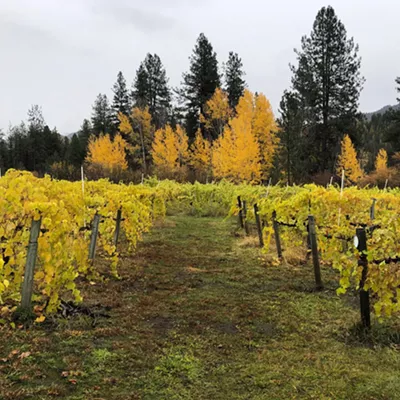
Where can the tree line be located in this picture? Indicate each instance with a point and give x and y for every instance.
(235, 129)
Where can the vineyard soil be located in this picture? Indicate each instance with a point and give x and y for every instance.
(199, 314)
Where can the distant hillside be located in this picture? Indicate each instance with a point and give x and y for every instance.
(382, 110)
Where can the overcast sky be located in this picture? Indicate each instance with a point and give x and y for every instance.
(61, 54)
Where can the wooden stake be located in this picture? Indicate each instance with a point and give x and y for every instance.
(93, 237)
(27, 286)
(276, 232)
(240, 215)
(117, 227)
(246, 225)
(364, 294)
(314, 251)
(259, 227)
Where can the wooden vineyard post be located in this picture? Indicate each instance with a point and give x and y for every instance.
(372, 210)
(246, 225)
(240, 212)
(363, 262)
(27, 286)
(276, 232)
(117, 227)
(314, 251)
(93, 237)
(259, 227)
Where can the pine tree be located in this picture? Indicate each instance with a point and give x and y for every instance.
(291, 136)
(398, 88)
(140, 92)
(3, 153)
(234, 82)
(328, 82)
(75, 151)
(84, 134)
(101, 116)
(200, 83)
(121, 102)
(348, 162)
(151, 89)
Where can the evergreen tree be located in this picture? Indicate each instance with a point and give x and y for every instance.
(17, 144)
(398, 88)
(84, 134)
(140, 95)
(75, 151)
(151, 90)
(234, 82)
(200, 83)
(3, 153)
(101, 116)
(121, 102)
(328, 82)
(159, 92)
(291, 136)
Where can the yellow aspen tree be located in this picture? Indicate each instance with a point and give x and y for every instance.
(140, 130)
(236, 154)
(223, 155)
(170, 150)
(182, 144)
(381, 161)
(200, 154)
(246, 166)
(265, 129)
(348, 161)
(108, 154)
(216, 113)
(164, 150)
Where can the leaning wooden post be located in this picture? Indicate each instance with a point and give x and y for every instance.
(117, 227)
(246, 225)
(27, 286)
(93, 237)
(276, 232)
(259, 227)
(314, 251)
(363, 262)
(240, 212)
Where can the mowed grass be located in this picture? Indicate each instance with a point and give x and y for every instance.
(199, 313)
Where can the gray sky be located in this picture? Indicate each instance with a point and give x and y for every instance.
(61, 54)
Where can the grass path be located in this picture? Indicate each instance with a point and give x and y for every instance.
(199, 315)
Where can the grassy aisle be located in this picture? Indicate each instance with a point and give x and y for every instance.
(198, 315)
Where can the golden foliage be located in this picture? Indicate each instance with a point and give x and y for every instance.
(381, 161)
(216, 112)
(348, 161)
(236, 154)
(108, 154)
(200, 153)
(140, 130)
(246, 149)
(170, 149)
(265, 130)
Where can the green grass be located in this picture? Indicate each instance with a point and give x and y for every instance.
(200, 314)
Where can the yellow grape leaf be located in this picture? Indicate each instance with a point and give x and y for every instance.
(40, 319)
(6, 283)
